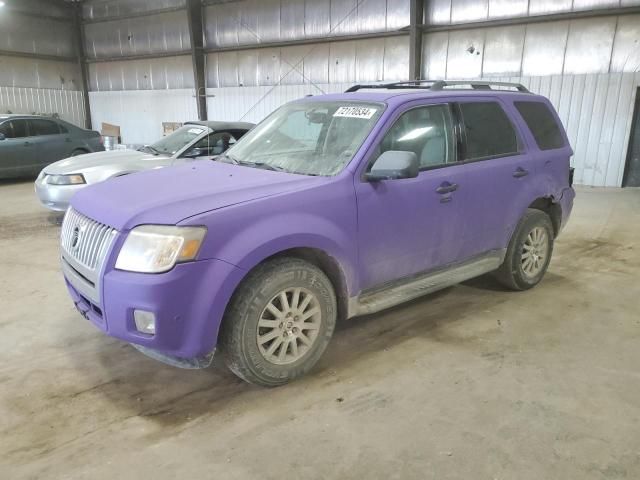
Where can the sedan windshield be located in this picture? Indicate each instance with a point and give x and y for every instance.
(176, 140)
(311, 138)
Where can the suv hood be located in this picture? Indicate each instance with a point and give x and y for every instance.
(96, 159)
(170, 195)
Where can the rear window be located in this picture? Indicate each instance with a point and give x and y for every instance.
(542, 124)
(489, 131)
(44, 127)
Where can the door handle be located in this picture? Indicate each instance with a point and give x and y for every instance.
(520, 172)
(447, 187)
(26, 144)
(67, 139)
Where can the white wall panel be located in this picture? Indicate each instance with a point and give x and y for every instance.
(589, 45)
(140, 113)
(67, 104)
(626, 47)
(503, 50)
(157, 73)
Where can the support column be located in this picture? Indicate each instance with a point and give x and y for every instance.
(82, 61)
(416, 14)
(195, 14)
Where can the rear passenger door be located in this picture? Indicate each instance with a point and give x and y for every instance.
(497, 170)
(51, 144)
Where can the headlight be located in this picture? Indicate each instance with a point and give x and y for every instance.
(157, 248)
(73, 179)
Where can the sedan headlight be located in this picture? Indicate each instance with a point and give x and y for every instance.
(73, 179)
(157, 248)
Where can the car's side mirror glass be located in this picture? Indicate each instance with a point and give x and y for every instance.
(2, 136)
(394, 165)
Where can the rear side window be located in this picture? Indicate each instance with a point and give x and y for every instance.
(542, 124)
(44, 127)
(488, 129)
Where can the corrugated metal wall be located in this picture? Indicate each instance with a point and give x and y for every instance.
(586, 66)
(335, 62)
(67, 104)
(445, 12)
(250, 22)
(36, 85)
(594, 45)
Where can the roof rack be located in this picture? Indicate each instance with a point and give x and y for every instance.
(437, 85)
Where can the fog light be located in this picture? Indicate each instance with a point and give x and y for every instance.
(145, 321)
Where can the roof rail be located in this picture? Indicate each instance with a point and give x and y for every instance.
(478, 85)
(437, 85)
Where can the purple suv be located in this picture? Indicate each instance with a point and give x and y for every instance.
(333, 206)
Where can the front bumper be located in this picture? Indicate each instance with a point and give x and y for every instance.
(55, 197)
(188, 302)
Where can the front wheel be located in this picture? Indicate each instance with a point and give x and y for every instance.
(279, 322)
(529, 252)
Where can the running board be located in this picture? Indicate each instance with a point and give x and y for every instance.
(413, 287)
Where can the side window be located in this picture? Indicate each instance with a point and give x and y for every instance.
(43, 127)
(542, 124)
(215, 143)
(63, 129)
(20, 128)
(488, 129)
(426, 131)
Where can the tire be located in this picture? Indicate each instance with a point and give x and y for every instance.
(77, 152)
(257, 312)
(529, 252)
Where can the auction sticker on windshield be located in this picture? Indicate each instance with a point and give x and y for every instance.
(355, 112)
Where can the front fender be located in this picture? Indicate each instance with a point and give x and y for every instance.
(269, 236)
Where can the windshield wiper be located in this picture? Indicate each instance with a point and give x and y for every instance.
(151, 149)
(245, 163)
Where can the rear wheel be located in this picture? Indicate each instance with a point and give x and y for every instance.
(529, 252)
(279, 322)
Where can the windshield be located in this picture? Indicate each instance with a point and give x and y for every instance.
(311, 138)
(176, 140)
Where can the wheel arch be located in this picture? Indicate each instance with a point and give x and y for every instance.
(551, 208)
(318, 257)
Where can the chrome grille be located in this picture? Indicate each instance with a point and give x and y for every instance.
(84, 240)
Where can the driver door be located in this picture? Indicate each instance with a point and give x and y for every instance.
(410, 226)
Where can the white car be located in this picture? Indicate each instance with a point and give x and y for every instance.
(58, 181)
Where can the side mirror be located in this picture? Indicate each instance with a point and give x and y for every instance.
(195, 152)
(394, 165)
(2, 136)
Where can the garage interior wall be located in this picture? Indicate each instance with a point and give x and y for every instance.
(38, 69)
(262, 53)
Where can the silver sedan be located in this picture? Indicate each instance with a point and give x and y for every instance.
(57, 182)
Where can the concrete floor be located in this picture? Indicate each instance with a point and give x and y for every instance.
(470, 383)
